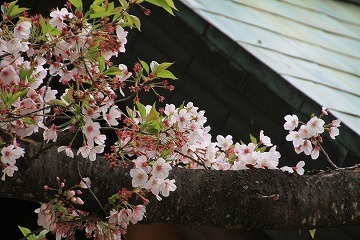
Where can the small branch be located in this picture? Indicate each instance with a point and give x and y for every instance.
(332, 164)
(192, 159)
(91, 192)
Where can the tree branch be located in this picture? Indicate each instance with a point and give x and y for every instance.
(251, 199)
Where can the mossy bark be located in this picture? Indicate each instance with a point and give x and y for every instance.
(251, 199)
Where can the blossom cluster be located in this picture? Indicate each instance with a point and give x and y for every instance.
(59, 68)
(307, 138)
(57, 77)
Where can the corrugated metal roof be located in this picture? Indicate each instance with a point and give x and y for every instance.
(314, 45)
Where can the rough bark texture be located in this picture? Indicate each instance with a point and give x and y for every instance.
(252, 199)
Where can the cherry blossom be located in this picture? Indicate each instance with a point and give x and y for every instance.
(291, 123)
(160, 169)
(167, 186)
(295, 137)
(139, 177)
(68, 151)
(22, 30)
(315, 152)
(58, 17)
(112, 116)
(138, 213)
(224, 142)
(154, 185)
(265, 140)
(9, 171)
(315, 125)
(10, 153)
(299, 168)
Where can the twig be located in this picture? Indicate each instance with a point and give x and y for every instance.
(91, 192)
(332, 164)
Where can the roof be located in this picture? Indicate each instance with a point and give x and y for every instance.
(314, 45)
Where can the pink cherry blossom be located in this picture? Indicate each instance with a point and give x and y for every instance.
(22, 30)
(58, 16)
(335, 123)
(291, 123)
(90, 152)
(167, 186)
(161, 169)
(324, 111)
(224, 142)
(121, 35)
(67, 149)
(333, 132)
(287, 169)
(315, 125)
(85, 183)
(243, 149)
(299, 168)
(265, 140)
(307, 147)
(90, 113)
(139, 177)
(10, 153)
(9, 171)
(315, 152)
(91, 129)
(112, 116)
(295, 137)
(50, 133)
(124, 217)
(305, 132)
(138, 213)
(154, 185)
(8, 74)
(142, 162)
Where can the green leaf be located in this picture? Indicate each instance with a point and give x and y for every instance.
(19, 94)
(4, 10)
(68, 97)
(46, 28)
(77, 4)
(100, 15)
(262, 149)
(312, 233)
(166, 74)
(14, 9)
(153, 114)
(153, 127)
(98, 9)
(113, 71)
(25, 232)
(167, 5)
(142, 109)
(101, 61)
(253, 139)
(132, 21)
(56, 102)
(28, 120)
(129, 112)
(171, 4)
(42, 235)
(163, 66)
(24, 73)
(165, 153)
(96, 3)
(92, 53)
(144, 65)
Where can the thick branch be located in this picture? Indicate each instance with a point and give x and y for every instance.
(252, 199)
